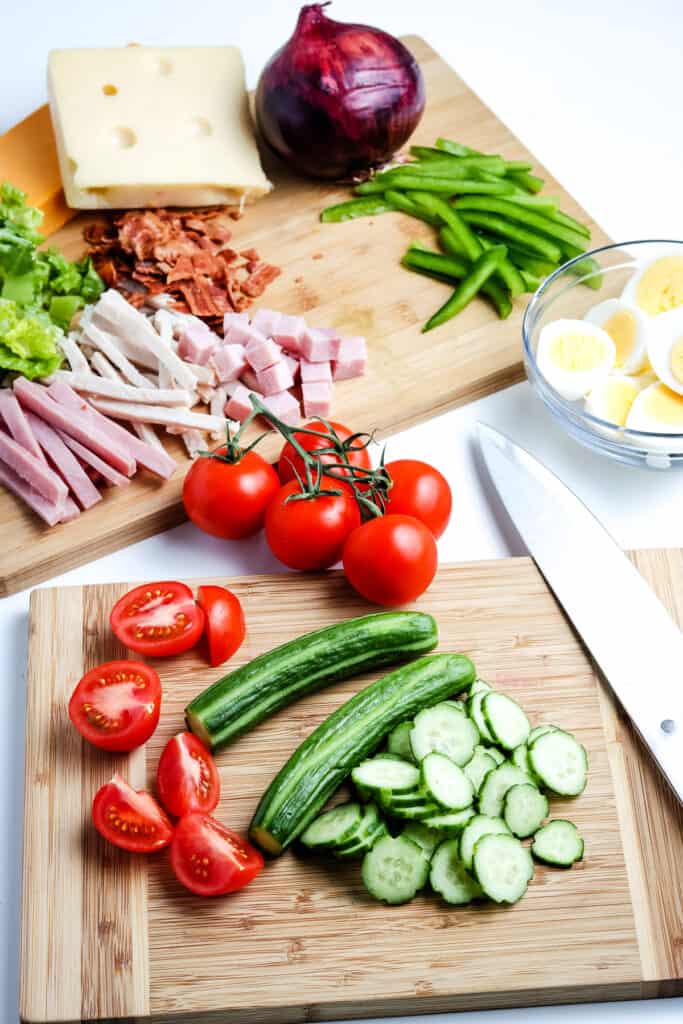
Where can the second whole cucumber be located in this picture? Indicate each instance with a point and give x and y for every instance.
(243, 698)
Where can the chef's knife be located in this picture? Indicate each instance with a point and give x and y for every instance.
(631, 636)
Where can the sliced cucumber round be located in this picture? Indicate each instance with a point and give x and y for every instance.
(426, 838)
(446, 782)
(404, 799)
(363, 845)
(479, 766)
(399, 741)
(479, 686)
(520, 757)
(497, 755)
(368, 823)
(539, 730)
(474, 710)
(333, 826)
(496, 785)
(525, 809)
(505, 720)
(419, 811)
(449, 877)
(560, 762)
(558, 843)
(480, 825)
(502, 867)
(386, 772)
(451, 824)
(395, 870)
(444, 730)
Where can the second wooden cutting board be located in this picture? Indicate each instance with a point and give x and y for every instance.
(108, 935)
(347, 275)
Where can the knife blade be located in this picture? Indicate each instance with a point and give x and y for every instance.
(629, 633)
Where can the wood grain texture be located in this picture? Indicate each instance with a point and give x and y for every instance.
(304, 942)
(341, 274)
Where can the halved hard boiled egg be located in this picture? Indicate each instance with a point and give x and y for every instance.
(612, 398)
(665, 349)
(658, 410)
(626, 327)
(657, 287)
(574, 356)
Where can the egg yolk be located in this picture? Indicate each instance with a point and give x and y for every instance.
(622, 329)
(619, 397)
(664, 406)
(661, 286)
(676, 360)
(577, 352)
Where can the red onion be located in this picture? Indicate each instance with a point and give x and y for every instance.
(338, 99)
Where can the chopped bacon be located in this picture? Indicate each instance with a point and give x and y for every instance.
(182, 253)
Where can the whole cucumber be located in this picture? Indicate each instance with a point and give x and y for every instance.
(246, 696)
(322, 762)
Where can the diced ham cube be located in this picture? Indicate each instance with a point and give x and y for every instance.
(320, 344)
(352, 359)
(292, 363)
(250, 379)
(288, 332)
(265, 321)
(315, 373)
(232, 319)
(317, 399)
(196, 344)
(262, 352)
(239, 334)
(274, 379)
(229, 361)
(285, 406)
(239, 406)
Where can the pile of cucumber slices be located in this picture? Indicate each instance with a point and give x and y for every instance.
(452, 798)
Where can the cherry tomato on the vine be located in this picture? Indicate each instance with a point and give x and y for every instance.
(390, 560)
(419, 490)
(290, 462)
(229, 499)
(309, 532)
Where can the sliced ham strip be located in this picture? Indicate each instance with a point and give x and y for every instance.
(73, 354)
(113, 308)
(155, 460)
(157, 414)
(47, 510)
(91, 384)
(18, 424)
(101, 364)
(204, 374)
(217, 408)
(67, 464)
(90, 459)
(107, 345)
(73, 422)
(33, 469)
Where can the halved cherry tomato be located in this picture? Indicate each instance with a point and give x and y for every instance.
(420, 490)
(129, 819)
(158, 619)
(210, 859)
(116, 705)
(224, 622)
(309, 532)
(290, 461)
(390, 560)
(187, 777)
(229, 499)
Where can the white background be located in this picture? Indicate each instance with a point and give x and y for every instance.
(593, 87)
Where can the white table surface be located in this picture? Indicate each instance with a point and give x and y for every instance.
(594, 90)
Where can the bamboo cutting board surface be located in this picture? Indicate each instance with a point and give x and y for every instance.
(108, 935)
(347, 275)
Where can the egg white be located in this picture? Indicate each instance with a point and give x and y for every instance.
(601, 315)
(646, 417)
(665, 332)
(573, 384)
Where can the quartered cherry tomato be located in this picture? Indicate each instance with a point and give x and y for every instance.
(129, 819)
(224, 626)
(419, 490)
(187, 777)
(390, 560)
(210, 859)
(158, 619)
(116, 705)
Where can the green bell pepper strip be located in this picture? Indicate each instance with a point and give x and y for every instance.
(529, 182)
(520, 236)
(523, 215)
(368, 206)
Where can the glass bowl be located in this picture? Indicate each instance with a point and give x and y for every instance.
(564, 294)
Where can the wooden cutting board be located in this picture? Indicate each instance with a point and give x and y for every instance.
(341, 274)
(106, 935)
